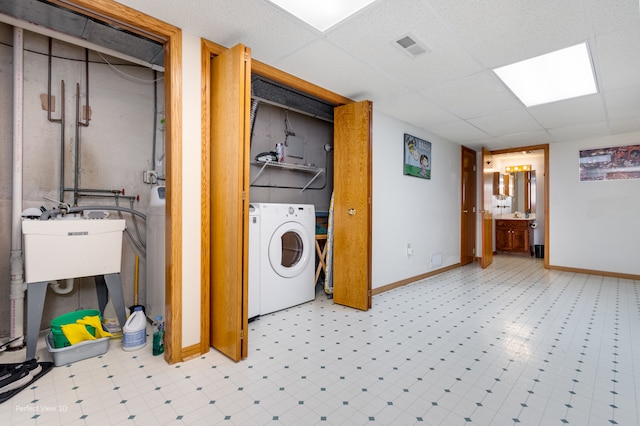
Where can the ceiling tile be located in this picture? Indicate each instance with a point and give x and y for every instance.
(623, 103)
(618, 60)
(526, 139)
(611, 15)
(270, 32)
(624, 125)
(506, 123)
(580, 131)
(500, 32)
(371, 36)
(474, 96)
(338, 71)
(459, 131)
(414, 109)
(584, 109)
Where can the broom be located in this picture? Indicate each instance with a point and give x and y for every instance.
(135, 289)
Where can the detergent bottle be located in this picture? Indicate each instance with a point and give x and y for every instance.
(158, 335)
(134, 332)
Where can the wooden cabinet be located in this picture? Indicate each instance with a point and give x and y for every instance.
(514, 236)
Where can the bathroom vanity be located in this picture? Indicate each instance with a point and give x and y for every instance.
(514, 235)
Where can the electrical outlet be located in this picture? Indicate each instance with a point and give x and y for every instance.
(150, 176)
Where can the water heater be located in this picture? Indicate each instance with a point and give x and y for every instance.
(155, 253)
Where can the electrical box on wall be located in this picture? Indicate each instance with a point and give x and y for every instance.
(294, 146)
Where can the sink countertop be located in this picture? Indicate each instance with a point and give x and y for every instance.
(520, 217)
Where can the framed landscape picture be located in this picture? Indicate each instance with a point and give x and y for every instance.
(417, 157)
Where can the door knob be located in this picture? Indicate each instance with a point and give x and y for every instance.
(351, 212)
(465, 211)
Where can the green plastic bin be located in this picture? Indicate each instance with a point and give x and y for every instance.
(59, 339)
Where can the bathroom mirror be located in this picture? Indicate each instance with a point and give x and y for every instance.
(524, 191)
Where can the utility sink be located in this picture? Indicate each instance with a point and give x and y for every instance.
(72, 247)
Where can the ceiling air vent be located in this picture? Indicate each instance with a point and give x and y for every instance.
(410, 44)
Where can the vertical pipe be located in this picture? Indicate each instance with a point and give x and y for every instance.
(18, 286)
(155, 119)
(76, 167)
(57, 120)
(62, 126)
(78, 124)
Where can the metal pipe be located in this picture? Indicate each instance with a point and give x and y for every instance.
(110, 191)
(90, 195)
(48, 214)
(76, 168)
(62, 127)
(80, 123)
(155, 119)
(18, 285)
(86, 73)
(60, 120)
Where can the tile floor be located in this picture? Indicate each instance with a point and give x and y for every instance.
(512, 344)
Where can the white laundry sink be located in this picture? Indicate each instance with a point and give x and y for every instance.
(68, 248)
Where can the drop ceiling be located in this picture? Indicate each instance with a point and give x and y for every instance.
(450, 91)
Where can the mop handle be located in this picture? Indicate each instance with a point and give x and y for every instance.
(135, 283)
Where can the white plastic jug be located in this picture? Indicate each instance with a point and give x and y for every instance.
(134, 332)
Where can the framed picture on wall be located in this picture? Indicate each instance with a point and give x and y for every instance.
(417, 157)
(613, 163)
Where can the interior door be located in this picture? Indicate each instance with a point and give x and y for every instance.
(468, 204)
(487, 216)
(230, 100)
(352, 205)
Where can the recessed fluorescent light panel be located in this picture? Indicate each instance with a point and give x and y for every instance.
(322, 14)
(558, 75)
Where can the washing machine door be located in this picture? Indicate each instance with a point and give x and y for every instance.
(290, 249)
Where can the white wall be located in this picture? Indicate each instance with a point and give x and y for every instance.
(410, 210)
(593, 225)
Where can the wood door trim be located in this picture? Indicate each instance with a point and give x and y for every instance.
(296, 83)
(487, 218)
(118, 16)
(464, 241)
(209, 49)
(109, 9)
(547, 179)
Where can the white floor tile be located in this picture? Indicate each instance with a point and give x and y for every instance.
(511, 344)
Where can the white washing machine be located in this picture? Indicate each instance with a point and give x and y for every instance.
(286, 255)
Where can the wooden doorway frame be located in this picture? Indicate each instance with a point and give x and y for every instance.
(115, 13)
(469, 206)
(545, 149)
(208, 50)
